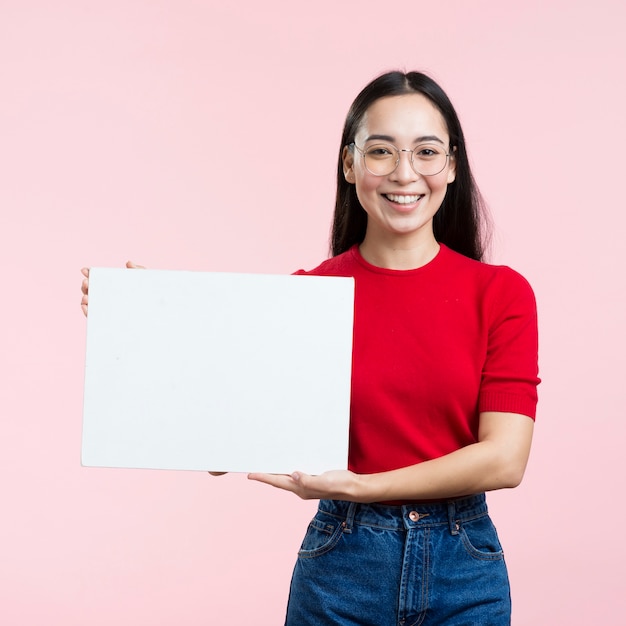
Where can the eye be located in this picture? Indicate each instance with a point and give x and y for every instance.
(428, 152)
(380, 152)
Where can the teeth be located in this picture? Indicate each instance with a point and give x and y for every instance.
(402, 199)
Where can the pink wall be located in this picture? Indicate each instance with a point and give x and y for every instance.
(138, 128)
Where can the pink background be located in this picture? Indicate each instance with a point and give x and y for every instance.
(140, 129)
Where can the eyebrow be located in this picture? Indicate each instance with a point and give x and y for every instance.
(392, 139)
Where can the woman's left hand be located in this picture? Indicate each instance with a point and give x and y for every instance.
(333, 485)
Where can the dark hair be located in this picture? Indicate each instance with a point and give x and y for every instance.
(462, 222)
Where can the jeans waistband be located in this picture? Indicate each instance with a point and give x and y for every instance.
(407, 516)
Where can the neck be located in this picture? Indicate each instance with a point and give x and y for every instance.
(399, 255)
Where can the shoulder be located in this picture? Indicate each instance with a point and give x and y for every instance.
(497, 281)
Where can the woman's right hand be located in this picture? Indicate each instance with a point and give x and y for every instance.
(84, 302)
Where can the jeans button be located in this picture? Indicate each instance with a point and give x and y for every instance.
(414, 516)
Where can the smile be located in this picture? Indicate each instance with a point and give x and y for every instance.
(403, 199)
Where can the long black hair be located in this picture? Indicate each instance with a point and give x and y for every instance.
(462, 222)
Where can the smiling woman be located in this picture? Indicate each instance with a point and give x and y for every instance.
(443, 383)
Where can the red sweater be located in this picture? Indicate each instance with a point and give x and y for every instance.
(433, 347)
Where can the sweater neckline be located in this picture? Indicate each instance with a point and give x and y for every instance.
(356, 255)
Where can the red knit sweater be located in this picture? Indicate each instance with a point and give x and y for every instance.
(433, 347)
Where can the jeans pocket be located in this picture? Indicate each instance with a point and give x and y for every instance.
(321, 536)
(480, 539)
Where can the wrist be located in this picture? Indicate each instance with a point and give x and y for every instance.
(367, 488)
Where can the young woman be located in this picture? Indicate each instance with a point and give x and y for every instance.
(443, 384)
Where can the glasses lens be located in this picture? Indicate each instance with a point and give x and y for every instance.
(381, 159)
(429, 159)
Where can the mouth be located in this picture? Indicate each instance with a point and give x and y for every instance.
(403, 199)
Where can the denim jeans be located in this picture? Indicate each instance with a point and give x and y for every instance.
(383, 565)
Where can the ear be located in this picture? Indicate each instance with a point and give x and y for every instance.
(452, 166)
(347, 156)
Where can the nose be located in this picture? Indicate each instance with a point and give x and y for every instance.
(404, 172)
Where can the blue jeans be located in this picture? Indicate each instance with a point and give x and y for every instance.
(382, 565)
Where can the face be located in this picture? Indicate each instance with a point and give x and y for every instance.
(401, 205)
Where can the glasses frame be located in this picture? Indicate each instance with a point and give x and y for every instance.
(398, 150)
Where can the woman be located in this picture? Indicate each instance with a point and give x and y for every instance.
(444, 381)
(443, 385)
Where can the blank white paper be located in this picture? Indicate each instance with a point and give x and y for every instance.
(217, 371)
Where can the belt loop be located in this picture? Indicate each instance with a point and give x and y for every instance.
(452, 522)
(350, 517)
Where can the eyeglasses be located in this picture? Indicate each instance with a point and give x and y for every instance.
(382, 159)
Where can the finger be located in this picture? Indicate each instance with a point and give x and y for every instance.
(282, 481)
(133, 266)
(85, 286)
(85, 272)
(84, 303)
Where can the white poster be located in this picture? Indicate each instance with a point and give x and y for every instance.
(217, 371)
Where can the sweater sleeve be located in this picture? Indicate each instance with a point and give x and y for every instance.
(510, 372)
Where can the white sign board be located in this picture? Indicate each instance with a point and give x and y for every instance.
(217, 371)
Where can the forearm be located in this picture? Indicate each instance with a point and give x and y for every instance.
(496, 461)
(476, 468)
